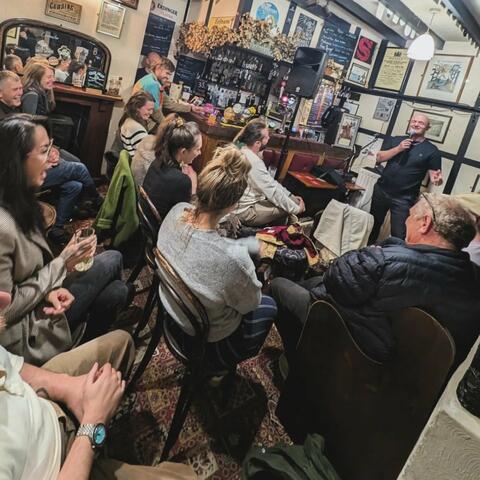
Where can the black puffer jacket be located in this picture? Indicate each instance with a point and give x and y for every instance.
(366, 283)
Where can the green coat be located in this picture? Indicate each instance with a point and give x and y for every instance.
(118, 214)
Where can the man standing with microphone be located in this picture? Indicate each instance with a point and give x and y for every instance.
(408, 158)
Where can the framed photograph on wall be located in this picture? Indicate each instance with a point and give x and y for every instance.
(365, 50)
(306, 26)
(393, 69)
(64, 10)
(384, 109)
(444, 77)
(347, 130)
(110, 19)
(129, 3)
(439, 125)
(358, 74)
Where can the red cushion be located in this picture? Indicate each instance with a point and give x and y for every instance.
(303, 162)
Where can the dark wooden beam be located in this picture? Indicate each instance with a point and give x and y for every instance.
(465, 17)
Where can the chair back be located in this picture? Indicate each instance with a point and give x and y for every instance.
(149, 222)
(369, 413)
(178, 294)
(303, 162)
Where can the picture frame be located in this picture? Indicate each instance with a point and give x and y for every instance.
(110, 19)
(365, 50)
(392, 69)
(358, 74)
(129, 3)
(351, 107)
(347, 130)
(439, 125)
(307, 26)
(64, 10)
(444, 77)
(384, 108)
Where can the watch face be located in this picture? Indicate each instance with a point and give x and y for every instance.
(99, 435)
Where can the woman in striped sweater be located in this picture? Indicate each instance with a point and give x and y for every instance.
(133, 124)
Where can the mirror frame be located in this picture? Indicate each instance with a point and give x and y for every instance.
(17, 22)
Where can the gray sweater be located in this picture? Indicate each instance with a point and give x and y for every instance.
(219, 271)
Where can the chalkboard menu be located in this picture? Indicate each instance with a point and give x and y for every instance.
(158, 35)
(338, 44)
(187, 70)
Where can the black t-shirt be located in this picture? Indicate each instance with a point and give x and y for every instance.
(166, 187)
(403, 173)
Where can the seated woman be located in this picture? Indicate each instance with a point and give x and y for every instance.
(133, 124)
(219, 271)
(66, 172)
(171, 178)
(47, 305)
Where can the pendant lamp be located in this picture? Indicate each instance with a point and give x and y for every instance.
(423, 47)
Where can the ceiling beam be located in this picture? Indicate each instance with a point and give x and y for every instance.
(420, 27)
(465, 17)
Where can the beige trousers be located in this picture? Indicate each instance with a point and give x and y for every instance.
(117, 348)
(261, 214)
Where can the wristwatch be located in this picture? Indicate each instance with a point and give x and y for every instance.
(96, 432)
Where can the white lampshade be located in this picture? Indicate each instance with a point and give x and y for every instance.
(422, 48)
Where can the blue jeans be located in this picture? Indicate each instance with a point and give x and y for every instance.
(71, 177)
(99, 293)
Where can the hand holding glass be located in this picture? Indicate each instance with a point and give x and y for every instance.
(80, 235)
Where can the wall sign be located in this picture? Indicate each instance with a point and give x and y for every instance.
(393, 69)
(64, 10)
(188, 70)
(338, 44)
(221, 22)
(365, 50)
(110, 19)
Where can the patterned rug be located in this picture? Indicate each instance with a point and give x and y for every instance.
(215, 438)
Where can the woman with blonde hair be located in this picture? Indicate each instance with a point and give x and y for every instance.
(219, 271)
(38, 97)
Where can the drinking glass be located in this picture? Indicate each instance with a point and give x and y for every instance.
(82, 234)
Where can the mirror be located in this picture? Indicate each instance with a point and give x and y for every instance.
(77, 59)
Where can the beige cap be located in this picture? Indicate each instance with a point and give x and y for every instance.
(470, 201)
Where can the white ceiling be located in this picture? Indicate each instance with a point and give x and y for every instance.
(474, 7)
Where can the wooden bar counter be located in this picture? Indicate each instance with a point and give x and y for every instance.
(217, 135)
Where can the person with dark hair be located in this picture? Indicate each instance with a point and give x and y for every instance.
(265, 201)
(154, 83)
(133, 124)
(171, 178)
(13, 63)
(429, 271)
(47, 304)
(219, 271)
(76, 73)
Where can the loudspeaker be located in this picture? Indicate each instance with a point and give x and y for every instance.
(307, 72)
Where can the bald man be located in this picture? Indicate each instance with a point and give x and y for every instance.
(407, 159)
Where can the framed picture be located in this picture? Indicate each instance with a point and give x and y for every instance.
(306, 26)
(393, 69)
(129, 3)
(439, 125)
(444, 77)
(384, 109)
(358, 74)
(110, 19)
(347, 130)
(64, 10)
(351, 107)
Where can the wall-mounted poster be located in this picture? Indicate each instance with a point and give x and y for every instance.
(439, 125)
(274, 12)
(393, 69)
(384, 109)
(64, 10)
(307, 26)
(444, 77)
(347, 130)
(338, 44)
(358, 74)
(365, 50)
(110, 19)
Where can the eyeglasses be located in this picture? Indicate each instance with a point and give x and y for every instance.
(434, 218)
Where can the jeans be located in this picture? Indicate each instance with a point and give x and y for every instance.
(99, 293)
(293, 303)
(399, 206)
(71, 177)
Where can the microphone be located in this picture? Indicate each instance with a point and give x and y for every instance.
(411, 133)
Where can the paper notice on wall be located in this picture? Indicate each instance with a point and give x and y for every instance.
(367, 156)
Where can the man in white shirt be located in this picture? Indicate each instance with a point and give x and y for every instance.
(265, 201)
(37, 438)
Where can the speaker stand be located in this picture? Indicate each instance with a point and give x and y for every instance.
(284, 151)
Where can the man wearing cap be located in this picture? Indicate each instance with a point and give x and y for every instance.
(408, 159)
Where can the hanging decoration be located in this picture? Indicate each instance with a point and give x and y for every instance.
(198, 38)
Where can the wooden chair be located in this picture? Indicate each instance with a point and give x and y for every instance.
(196, 368)
(370, 414)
